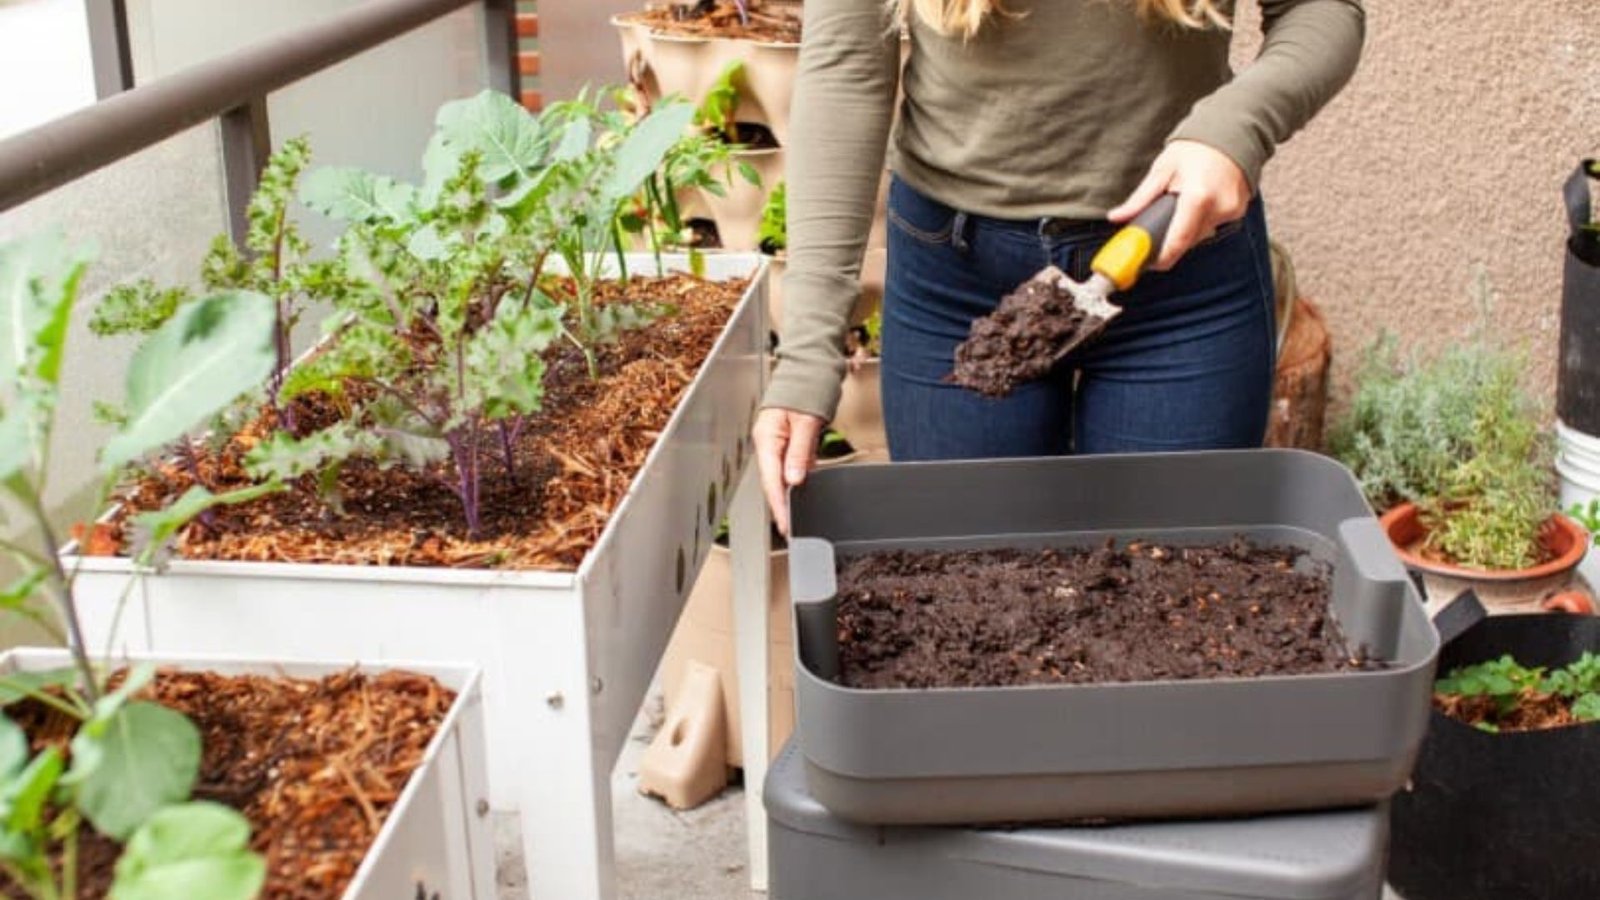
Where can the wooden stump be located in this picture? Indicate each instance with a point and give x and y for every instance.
(1300, 394)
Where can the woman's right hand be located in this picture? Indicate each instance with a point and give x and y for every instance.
(786, 449)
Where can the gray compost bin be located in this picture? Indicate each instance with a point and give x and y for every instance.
(1139, 749)
(1305, 856)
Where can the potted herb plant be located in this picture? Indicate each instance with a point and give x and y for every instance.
(1451, 450)
(511, 446)
(220, 778)
(1500, 804)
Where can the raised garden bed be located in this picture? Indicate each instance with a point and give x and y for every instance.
(567, 624)
(357, 782)
(1199, 739)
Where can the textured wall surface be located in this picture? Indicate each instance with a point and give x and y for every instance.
(1445, 153)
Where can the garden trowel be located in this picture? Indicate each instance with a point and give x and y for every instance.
(1050, 314)
(1116, 267)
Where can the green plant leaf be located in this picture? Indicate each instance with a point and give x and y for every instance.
(284, 457)
(23, 797)
(13, 748)
(39, 279)
(18, 685)
(149, 757)
(509, 137)
(193, 849)
(209, 353)
(350, 194)
(1587, 708)
(16, 436)
(645, 146)
(574, 141)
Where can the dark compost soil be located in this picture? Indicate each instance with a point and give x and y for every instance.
(315, 766)
(1140, 612)
(1019, 341)
(720, 19)
(575, 460)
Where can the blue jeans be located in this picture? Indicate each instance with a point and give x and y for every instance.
(1188, 365)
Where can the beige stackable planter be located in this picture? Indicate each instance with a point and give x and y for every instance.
(738, 211)
(665, 64)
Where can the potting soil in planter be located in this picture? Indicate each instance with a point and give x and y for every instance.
(1135, 612)
(721, 19)
(575, 460)
(315, 766)
(1019, 341)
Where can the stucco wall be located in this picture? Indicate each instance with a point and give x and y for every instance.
(1445, 153)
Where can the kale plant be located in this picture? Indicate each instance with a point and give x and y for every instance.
(132, 763)
(444, 308)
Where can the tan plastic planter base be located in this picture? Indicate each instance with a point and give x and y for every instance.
(738, 211)
(860, 414)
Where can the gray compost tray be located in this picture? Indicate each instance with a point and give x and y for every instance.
(1141, 749)
(1306, 856)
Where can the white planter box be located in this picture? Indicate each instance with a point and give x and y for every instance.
(567, 656)
(437, 836)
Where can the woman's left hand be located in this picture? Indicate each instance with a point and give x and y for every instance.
(1211, 188)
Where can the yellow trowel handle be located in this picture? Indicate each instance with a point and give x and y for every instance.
(1125, 256)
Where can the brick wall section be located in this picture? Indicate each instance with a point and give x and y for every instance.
(528, 53)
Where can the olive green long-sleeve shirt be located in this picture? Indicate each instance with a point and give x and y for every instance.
(1056, 109)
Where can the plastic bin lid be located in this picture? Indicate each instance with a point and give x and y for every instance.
(1286, 857)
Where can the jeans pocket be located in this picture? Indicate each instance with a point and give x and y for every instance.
(1223, 232)
(918, 217)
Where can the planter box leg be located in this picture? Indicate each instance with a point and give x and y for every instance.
(750, 545)
(563, 785)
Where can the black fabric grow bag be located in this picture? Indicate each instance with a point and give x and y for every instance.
(1578, 378)
(1512, 816)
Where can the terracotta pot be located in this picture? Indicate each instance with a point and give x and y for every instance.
(1502, 590)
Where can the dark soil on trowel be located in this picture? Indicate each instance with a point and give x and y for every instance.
(316, 766)
(1020, 341)
(1139, 612)
(720, 19)
(574, 462)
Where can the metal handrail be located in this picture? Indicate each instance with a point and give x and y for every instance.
(68, 148)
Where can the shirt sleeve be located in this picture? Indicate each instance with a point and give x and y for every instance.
(840, 117)
(1310, 50)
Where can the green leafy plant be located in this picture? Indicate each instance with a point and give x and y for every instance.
(1587, 515)
(773, 233)
(717, 109)
(866, 339)
(1459, 437)
(445, 304)
(132, 763)
(1508, 686)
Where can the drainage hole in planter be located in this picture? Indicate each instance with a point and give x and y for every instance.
(711, 503)
(682, 567)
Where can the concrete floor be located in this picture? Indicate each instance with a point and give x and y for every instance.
(662, 854)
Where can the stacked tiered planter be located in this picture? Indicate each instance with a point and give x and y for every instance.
(1191, 748)
(567, 655)
(880, 791)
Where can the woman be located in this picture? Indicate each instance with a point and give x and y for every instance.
(1028, 129)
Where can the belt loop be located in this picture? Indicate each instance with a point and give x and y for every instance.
(958, 232)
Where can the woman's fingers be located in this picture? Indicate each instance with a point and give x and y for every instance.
(1154, 185)
(771, 437)
(1189, 224)
(786, 449)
